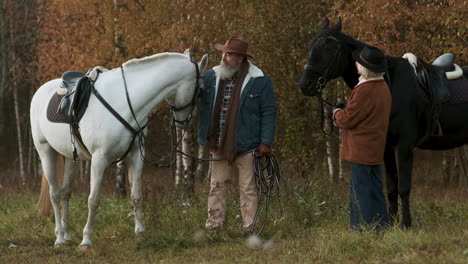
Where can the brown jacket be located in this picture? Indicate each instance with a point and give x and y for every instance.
(364, 123)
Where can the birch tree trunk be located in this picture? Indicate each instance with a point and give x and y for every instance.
(178, 166)
(16, 106)
(29, 147)
(18, 132)
(464, 170)
(446, 162)
(330, 146)
(200, 149)
(340, 161)
(187, 162)
(200, 170)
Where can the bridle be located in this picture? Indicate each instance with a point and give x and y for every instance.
(192, 103)
(185, 122)
(323, 79)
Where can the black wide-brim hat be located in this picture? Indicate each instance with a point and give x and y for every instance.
(372, 58)
(235, 45)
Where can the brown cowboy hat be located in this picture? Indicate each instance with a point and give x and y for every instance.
(234, 45)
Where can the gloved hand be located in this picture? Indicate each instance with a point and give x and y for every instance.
(264, 150)
(339, 105)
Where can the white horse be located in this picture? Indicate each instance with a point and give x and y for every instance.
(150, 80)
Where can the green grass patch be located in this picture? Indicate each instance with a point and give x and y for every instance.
(308, 224)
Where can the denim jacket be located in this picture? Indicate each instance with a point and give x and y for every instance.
(257, 109)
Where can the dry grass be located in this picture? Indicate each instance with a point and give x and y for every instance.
(310, 226)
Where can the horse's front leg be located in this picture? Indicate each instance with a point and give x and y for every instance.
(392, 181)
(405, 164)
(70, 170)
(98, 165)
(135, 166)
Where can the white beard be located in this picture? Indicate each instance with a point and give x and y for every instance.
(226, 72)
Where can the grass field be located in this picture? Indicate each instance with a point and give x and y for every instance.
(309, 224)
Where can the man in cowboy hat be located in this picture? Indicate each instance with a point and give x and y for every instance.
(237, 116)
(364, 123)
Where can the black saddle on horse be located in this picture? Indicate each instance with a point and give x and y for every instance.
(433, 79)
(70, 107)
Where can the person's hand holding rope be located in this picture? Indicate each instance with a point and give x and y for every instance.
(264, 150)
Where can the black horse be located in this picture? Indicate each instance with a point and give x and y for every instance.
(413, 111)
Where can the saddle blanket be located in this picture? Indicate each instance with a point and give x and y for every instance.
(458, 91)
(54, 114)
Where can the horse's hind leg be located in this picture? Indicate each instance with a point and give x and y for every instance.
(68, 179)
(405, 164)
(392, 182)
(135, 166)
(48, 160)
(98, 165)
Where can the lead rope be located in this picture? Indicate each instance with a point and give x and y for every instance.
(267, 181)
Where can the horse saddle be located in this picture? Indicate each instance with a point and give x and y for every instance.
(71, 102)
(433, 78)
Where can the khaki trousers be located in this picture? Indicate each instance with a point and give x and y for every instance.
(221, 176)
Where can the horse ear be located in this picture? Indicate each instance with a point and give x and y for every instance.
(187, 53)
(337, 26)
(202, 64)
(326, 23)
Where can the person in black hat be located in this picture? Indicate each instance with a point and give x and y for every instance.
(237, 116)
(364, 123)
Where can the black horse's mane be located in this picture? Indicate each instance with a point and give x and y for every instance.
(347, 39)
(352, 43)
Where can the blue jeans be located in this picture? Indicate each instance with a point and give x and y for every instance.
(367, 205)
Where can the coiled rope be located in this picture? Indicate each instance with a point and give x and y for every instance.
(267, 181)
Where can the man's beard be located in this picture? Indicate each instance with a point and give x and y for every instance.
(226, 71)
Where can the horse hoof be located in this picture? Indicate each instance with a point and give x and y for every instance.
(84, 247)
(139, 230)
(59, 243)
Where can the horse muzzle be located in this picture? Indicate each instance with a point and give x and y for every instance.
(307, 88)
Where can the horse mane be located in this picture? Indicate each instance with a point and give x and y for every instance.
(152, 58)
(347, 39)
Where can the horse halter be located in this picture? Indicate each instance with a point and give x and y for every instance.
(323, 77)
(192, 103)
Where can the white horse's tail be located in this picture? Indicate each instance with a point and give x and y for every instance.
(44, 205)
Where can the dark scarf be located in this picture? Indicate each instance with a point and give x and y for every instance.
(227, 145)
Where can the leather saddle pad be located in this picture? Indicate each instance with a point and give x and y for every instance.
(54, 114)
